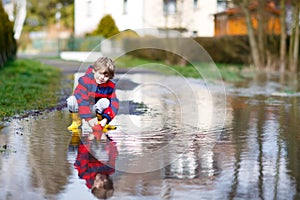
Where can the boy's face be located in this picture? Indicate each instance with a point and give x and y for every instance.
(102, 186)
(101, 76)
(99, 181)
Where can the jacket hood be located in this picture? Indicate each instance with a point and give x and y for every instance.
(89, 72)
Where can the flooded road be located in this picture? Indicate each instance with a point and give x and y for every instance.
(168, 145)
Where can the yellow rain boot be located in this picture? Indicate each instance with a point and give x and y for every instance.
(76, 121)
(110, 127)
(75, 138)
(99, 117)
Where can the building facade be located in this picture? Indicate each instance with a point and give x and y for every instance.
(191, 17)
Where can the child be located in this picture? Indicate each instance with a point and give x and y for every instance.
(94, 99)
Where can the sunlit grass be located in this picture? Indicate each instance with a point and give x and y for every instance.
(230, 73)
(27, 85)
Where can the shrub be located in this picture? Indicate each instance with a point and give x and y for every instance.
(227, 49)
(106, 27)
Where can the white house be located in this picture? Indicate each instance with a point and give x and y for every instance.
(194, 16)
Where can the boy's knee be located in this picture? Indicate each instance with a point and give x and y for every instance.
(102, 104)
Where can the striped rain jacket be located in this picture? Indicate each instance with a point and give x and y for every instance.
(88, 92)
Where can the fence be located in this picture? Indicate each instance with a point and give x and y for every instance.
(43, 45)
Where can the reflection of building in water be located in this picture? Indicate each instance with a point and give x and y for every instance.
(177, 110)
(173, 102)
(189, 171)
(186, 166)
(252, 158)
(182, 117)
(161, 105)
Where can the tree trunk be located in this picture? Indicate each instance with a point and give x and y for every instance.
(294, 39)
(261, 32)
(282, 62)
(251, 35)
(291, 43)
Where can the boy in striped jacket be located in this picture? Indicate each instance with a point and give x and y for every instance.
(94, 99)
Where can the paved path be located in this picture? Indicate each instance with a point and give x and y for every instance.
(71, 67)
(67, 67)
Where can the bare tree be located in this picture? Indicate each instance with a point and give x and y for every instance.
(257, 37)
(261, 21)
(283, 36)
(244, 5)
(294, 38)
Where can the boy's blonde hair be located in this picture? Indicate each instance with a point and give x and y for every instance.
(106, 64)
(106, 191)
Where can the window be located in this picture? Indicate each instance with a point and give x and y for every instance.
(6, 2)
(125, 9)
(195, 4)
(224, 4)
(169, 7)
(89, 8)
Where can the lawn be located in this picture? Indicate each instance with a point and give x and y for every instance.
(27, 85)
(229, 73)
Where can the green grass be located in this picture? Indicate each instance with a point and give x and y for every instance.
(27, 85)
(229, 73)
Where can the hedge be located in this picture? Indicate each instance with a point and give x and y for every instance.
(227, 49)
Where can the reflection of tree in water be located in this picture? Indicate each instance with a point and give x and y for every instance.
(289, 132)
(187, 166)
(255, 157)
(259, 158)
(47, 155)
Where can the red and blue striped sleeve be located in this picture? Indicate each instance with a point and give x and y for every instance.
(110, 112)
(82, 95)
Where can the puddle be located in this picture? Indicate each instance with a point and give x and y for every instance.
(165, 148)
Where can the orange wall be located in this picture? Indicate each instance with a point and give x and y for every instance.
(237, 26)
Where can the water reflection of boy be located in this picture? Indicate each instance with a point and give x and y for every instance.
(95, 172)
